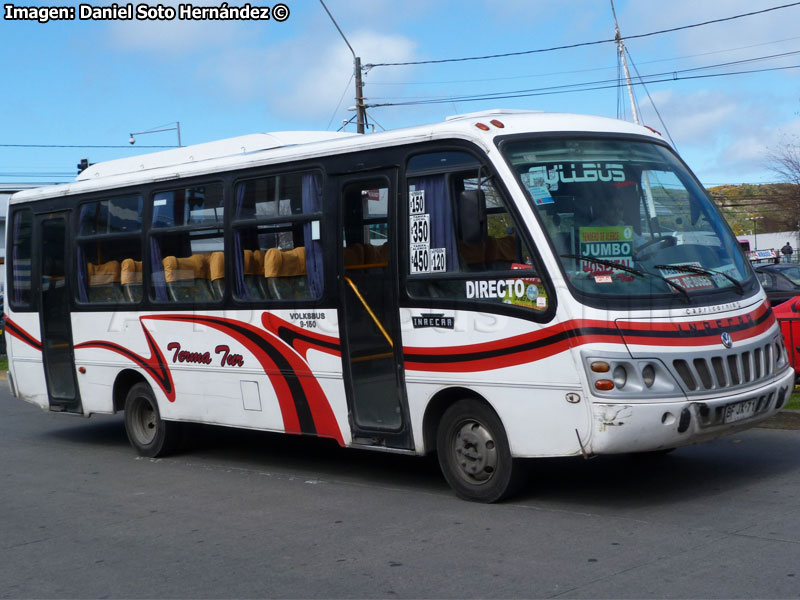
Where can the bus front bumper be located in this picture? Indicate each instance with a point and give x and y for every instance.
(646, 426)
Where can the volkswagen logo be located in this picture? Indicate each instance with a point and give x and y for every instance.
(726, 339)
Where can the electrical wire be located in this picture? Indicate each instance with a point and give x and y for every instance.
(652, 103)
(574, 71)
(568, 88)
(617, 79)
(335, 110)
(578, 45)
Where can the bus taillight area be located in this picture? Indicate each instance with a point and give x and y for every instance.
(621, 427)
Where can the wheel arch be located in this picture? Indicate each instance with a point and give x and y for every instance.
(125, 380)
(438, 404)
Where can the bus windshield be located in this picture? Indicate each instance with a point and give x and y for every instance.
(628, 220)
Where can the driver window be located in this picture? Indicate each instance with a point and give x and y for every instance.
(461, 231)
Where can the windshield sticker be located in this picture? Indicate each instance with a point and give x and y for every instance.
(534, 183)
(609, 243)
(603, 279)
(528, 291)
(689, 281)
(585, 173)
(541, 195)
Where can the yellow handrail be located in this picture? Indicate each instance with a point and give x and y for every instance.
(369, 310)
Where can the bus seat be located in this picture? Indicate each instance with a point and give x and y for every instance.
(473, 255)
(104, 282)
(285, 273)
(187, 278)
(376, 255)
(131, 279)
(253, 265)
(353, 255)
(216, 274)
(501, 252)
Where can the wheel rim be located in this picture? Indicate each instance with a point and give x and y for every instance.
(144, 421)
(474, 452)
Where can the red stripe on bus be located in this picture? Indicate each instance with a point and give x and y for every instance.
(324, 421)
(22, 335)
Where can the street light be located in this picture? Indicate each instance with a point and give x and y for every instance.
(176, 128)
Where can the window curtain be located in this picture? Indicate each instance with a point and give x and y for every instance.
(83, 276)
(438, 206)
(157, 269)
(239, 287)
(22, 272)
(312, 203)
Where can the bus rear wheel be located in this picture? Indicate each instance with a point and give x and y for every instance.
(474, 453)
(148, 433)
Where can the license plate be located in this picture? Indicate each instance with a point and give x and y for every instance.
(739, 411)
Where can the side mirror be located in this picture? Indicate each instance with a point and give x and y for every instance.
(472, 216)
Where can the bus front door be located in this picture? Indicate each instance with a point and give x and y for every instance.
(54, 314)
(368, 313)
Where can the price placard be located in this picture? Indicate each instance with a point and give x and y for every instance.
(427, 260)
(420, 260)
(416, 202)
(438, 260)
(419, 229)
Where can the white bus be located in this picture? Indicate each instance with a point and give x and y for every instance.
(496, 287)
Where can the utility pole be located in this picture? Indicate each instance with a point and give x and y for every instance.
(621, 50)
(646, 187)
(361, 108)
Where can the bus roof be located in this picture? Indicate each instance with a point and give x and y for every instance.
(268, 148)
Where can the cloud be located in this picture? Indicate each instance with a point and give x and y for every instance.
(772, 26)
(724, 135)
(175, 38)
(301, 76)
(692, 118)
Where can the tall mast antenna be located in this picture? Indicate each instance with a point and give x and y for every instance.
(361, 109)
(621, 50)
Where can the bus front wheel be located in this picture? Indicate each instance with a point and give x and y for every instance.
(474, 453)
(148, 433)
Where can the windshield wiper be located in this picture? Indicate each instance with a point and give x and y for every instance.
(632, 271)
(702, 271)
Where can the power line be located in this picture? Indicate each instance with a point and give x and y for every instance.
(335, 110)
(602, 81)
(574, 71)
(564, 89)
(578, 45)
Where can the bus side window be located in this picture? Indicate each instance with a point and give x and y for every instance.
(187, 251)
(109, 234)
(277, 238)
(459, 228)
(21, 246)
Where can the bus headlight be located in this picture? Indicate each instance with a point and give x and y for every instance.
(615, 375)
(649, 375)
(620, 377)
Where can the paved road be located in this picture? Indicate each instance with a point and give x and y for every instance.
(245, 514)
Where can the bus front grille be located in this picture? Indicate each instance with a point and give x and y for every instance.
(714, 371)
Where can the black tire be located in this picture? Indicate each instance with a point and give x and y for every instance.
(654, 453)
(148, 433)
(474, 453)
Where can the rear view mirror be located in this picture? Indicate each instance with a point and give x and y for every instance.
(472, 216)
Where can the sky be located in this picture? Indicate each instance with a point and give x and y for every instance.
(93, 83)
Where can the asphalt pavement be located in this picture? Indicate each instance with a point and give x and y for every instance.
(244, 514)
